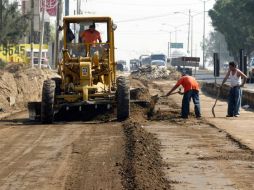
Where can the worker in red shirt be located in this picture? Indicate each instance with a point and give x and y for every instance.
(191, 91)
(91, 35)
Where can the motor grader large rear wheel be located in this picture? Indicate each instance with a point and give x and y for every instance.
(123, 98)
(47, 102)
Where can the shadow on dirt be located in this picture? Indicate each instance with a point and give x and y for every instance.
(90, 113)
(100, 114)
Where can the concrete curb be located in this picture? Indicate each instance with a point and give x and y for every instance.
(212, 89)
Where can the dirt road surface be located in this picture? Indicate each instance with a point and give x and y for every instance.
(165, 152)
(72, 155)
(198, 155)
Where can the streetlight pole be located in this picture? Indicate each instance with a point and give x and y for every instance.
(188, 45)
(204, 39)
(78, 7)
(58, 17)
(67, 9)
(42, 31)
(170, 44)
(32, 35)
(191, 36)
(175, 30)
(189, 28)
(204, 1)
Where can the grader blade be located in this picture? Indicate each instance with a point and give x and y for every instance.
(34, 109)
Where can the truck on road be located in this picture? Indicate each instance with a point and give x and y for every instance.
(185, 64)
(159, 60)
(145, 60)
(134, 64)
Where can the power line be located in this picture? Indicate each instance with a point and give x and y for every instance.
(144, 4)
(146, 18)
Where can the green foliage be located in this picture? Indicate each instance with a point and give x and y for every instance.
(216, 43)
(234, 19)
(52, 33)
(14, 26)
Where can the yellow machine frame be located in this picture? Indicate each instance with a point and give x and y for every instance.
(79, 73)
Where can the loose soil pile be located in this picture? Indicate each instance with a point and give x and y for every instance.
(142, 165)
(152, 73)
(19, 85)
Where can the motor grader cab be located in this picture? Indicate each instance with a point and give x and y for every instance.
(87, 72)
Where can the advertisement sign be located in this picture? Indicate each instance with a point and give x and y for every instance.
(50, 5)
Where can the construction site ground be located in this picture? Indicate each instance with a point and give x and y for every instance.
(165, 152)
(210, 153)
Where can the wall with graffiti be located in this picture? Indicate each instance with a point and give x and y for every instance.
(20, 53)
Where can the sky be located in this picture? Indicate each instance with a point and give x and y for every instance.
(147, 26)
(144, 26)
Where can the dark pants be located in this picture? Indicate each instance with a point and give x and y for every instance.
(234, 101)
(194, 95)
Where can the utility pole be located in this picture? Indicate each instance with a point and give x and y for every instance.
(67, 7)
(57, 31)
(191, 36)
(170, 44)
(188, 44)
(42, 31)
(78, 7)
(204, 38)
(32, 34)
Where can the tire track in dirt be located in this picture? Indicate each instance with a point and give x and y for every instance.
(42, 154)
(10, 159)
(96, 158)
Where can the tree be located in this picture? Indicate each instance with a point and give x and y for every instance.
(14, 25)
(234, 19)
(216, 43)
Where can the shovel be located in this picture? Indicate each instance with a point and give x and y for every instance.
(217, 97)
(154, 100)
(178, 92)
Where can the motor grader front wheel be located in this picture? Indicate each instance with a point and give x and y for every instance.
(47, 102)
(123, 98)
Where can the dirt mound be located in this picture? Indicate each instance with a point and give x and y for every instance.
(152, 73)
(14, 68)
(20, 84)
(141, 79)
(139, 89)
(142, 165)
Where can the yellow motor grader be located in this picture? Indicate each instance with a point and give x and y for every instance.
(87, 73)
